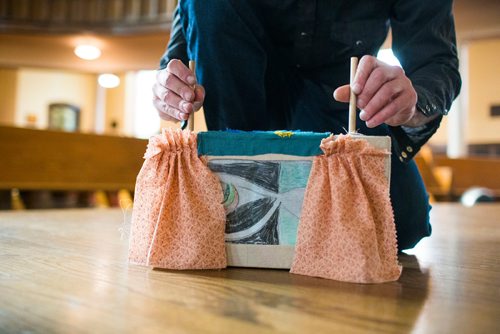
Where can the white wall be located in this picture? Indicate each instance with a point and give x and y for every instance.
(37, 88)
(482, 91)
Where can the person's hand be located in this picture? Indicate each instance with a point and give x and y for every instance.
(176, 93)
(384, 93)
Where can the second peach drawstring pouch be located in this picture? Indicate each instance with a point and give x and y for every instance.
(347, 230)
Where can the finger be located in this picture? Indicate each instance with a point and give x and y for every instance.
(159, 91)
(161, 76)
(377, 79)
(388, 92)
(395, 107)
(169, 113)
(179, 87)
(199, 92)
(342, 93)
(175, 101)
(159, 105)
(170, 81)
(171, 99)
(177, 68)
(366, 65)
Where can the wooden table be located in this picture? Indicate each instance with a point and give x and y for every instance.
(66, 272)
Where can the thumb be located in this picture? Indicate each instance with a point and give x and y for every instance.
(342, 93)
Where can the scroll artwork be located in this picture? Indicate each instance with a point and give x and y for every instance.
(313, 202)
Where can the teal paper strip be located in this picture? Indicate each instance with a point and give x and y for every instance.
(221, 143)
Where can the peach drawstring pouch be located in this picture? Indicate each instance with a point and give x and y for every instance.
(346, 229)
(178, 219)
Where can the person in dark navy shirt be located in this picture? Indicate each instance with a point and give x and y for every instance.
(274, 64)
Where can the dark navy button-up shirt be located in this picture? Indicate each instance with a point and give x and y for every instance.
(319, 36)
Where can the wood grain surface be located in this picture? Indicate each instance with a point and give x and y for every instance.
(66, 271)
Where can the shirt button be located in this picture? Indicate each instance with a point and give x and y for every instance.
(359, 42)
(404, 155)
(409, 149)
(297, 65)
(303, 34)
(401, 159)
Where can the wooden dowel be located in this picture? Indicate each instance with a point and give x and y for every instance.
(192, 67)
(352, 100)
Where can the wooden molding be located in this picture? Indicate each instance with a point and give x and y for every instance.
(73, 16)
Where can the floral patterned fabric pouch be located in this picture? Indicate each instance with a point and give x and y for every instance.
(347, 230)
(178, 219)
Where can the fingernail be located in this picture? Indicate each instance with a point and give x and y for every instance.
(372, 124)
(334, 94)
(189, 95)
(191, 80)
(362, 115)
(356, 88)
(185, 106)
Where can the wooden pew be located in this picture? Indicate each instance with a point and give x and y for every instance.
(472, 172)
(53, 160)
(437, 179)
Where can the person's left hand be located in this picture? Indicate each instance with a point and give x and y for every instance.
(384, 93)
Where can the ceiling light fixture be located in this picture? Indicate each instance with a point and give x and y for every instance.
(108, 80)
(87, 52)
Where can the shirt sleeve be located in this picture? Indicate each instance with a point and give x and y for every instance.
(177, 46)
(423, 39)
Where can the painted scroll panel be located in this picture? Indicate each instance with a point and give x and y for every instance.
(268, 184)
(263, 198)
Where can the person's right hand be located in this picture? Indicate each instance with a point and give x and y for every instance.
(176, 93)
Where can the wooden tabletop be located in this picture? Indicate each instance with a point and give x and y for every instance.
(65, 271)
